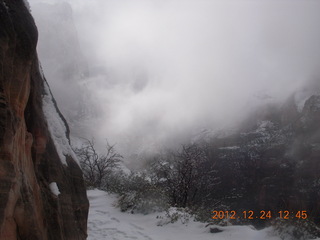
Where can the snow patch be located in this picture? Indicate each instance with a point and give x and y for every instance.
(300, 104)
(230, 148)
(54, 188)
(174, 214)
(26, 3)
(264, 125)
(56, 127)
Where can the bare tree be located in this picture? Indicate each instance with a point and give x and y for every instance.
(189, 176)
(96, 167)
(186, 175)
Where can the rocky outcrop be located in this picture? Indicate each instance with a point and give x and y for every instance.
(42, 196)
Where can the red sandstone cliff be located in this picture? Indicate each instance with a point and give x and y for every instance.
(31, 156)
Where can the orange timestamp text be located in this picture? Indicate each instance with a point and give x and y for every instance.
(259, 214)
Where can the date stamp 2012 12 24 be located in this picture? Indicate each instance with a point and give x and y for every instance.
(285, 214)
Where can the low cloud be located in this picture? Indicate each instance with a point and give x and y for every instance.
(162, 70)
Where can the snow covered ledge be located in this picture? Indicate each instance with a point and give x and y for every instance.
(57, 127)
(54, 189)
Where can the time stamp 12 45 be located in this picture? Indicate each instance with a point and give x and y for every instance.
(259, 214)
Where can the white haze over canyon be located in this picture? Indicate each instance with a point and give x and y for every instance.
(176, 67)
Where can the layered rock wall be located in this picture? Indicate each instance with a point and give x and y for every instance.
(29, 160)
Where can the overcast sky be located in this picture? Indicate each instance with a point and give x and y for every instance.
(175, 67)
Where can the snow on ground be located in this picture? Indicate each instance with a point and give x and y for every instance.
(108, 222)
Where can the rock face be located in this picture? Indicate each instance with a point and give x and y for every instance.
(272, 161)
(30, 158)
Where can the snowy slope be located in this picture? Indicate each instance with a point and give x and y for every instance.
(107, 222)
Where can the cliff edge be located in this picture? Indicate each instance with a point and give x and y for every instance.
(42, 192)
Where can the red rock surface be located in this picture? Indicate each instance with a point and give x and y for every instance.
(29, 161)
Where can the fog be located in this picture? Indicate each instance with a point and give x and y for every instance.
(160, 71)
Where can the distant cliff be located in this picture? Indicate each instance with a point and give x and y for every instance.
(272, 161)
(42, 193)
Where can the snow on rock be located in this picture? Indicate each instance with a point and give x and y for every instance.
(26, 3)
(313, 103)
(302, 96)
(57, 127)
(107, 222)
(263, 126)
(54, 188)
(230, 148)
(5, 5)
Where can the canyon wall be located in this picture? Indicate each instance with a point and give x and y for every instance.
(42, 193)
